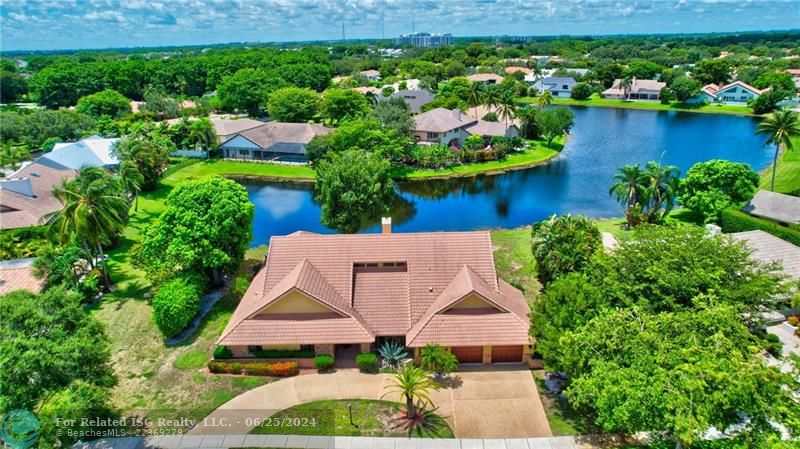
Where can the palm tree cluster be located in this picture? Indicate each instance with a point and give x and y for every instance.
(780, 127)
(496, 98)
(648, 194)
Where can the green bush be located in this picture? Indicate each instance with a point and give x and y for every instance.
(284, 353)
(367, 362)
(22, 242)
(222, 352)
(323, 362)
(274, 369)
(176, 304)
(733, 220)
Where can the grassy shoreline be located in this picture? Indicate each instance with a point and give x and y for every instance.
(787, 174)
(596, 101)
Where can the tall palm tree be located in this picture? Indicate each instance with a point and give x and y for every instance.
(202, 134)
(661, 187)
(475, 95)
(628, 188)
(507, 106)
(491, 96)
(414, 385)
(625, 84)
(94, 211)
(780, 127)
(545, 98)
(131, 180)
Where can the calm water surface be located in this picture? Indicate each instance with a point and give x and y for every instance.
(602, 140)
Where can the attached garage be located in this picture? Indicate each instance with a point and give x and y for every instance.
(468, 354)
(506, 354)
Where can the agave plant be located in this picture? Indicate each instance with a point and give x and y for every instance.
(392, 353)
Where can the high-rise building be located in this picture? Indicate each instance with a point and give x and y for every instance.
(424, 39)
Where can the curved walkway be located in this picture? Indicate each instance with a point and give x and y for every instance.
(497, 402)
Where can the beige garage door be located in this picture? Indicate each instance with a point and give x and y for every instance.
(468, 354)
(506, 354)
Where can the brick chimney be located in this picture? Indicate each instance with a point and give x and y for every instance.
(386, 225)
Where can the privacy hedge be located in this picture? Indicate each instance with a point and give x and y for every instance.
(176, 304)
(733, 220)
(274, 369)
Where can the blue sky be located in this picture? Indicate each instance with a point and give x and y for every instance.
(60, 24)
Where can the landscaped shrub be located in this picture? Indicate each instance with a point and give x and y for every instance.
(274, 369)
(284, 353)
(222, 352)
(793, 320)
(323, 362)
(176, 304)
(22, 242)
(733, 220)
(367, 362)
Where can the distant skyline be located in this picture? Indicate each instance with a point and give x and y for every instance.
(97, 24)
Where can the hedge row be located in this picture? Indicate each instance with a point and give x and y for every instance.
(274, 369)
(284, 354)
(734, 220)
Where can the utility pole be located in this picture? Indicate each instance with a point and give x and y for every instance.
(344, 38)
(383, 23)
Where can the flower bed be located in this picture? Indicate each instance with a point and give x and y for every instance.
(274, 369)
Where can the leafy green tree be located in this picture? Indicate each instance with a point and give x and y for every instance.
(358, 135)
(338, 104)
(581, 91)
(248, 89)
(430, 156)
(202, 134)
(353, 185)
(63, 83)
(460, 87)
(47, 341)
(314, 75)
(80, 401)
(563, 244)
(293, 104)
(205, 228)
(414, 386)
(775, 80)
(676, 375)
(160, 104)
(716, 71)
(555, 122)
(12, 155)
(643, 69)
(108, 102)
(454, 68)
(37, 127)
(437, 359)
(709, 187)
(767, 102)
(175, 304)
(445, 101)
(685, 88)
(149, 150)
(780, 127)
(529, 128)
(12, 86)
(62, 266)
(393, 113)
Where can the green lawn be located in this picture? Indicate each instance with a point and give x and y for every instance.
(597, 101)
(514, 260)
(234, 168)
(787, 176)
(616, 226)
(331, 418)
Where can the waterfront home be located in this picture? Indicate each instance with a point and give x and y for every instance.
(94, 151)
(735, 93)
(774, 206)
(372, 75)
(272, 141)
(486, 78)
(452, 127)
(346, 293)
(560, 87)
(227, 128)
(26, 196)
(638, 90)
(415, 99)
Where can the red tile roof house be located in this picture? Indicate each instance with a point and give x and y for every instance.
(339, 294)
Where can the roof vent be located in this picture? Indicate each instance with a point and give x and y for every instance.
(430, 289)
(386, 225)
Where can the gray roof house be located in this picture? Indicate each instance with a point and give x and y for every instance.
(415, 99)
(558, 87)
(273, 142)
(767, 248)
(774, 206)
(452, 127)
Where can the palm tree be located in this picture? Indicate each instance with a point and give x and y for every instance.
(661, 187)
(414, 385)
(507, 106)
(780, 127)
(202, 134)
(625, 84)
(545, 98)
(491, 97)
(131, 179)
(475, 95)
(628, 187)
(94, 211)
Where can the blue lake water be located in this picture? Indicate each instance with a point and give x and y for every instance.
(577, 182)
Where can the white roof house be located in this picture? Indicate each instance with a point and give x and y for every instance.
(94, 151)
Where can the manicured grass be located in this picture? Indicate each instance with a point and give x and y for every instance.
(537, 153)
(616, 226)
(331, 418)
(787, 176)
(514, 260)
(597, 101)
(234, 168)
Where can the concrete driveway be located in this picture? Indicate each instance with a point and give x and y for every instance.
(480, 402)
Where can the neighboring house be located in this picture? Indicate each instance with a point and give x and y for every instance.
(347, 293)
(17, 274)
(486, 78)
(372, 75)
(639, 90)
(415, 99)
(774, 206)
(452, 127)
(410, 84)
(480, 111)
(26, 197)
(514, 69)
(273, 141)
(558, 87)
(227, 128)
(735, 93)
(767, 248)
(795, 73)
(367, 89)
(94, 151)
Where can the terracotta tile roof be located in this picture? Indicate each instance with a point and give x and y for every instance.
(483, 77)
(514, 69)
(775, 206)
(18, 275)
(441, 120)
(415, 276)
(26, 197)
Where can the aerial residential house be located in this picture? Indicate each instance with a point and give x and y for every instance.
(94, 151)
(273, 142)
(638, 90)
(348, 293)
(558, 87)
(227, 128)
(26, 196)
(767, 249)
(415, 99)
(774, 206)
(514, 69)
(372, 75)
(486, 78)
(735, 93)
(367, 90)
(452, 127)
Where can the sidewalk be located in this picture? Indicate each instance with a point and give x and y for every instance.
(319, 442)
